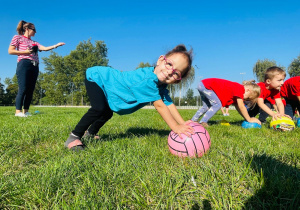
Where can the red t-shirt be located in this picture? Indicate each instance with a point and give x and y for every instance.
(227, 91)
(272, 101)
(291, 88)
(265, 93)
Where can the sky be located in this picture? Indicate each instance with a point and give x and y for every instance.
(227, 37)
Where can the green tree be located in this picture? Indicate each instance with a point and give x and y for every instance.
(38, 92)
(142, 65)
(294, 67)
(63, 80)
(2, 93)
(11, 89)
(189, 98)
(189, 94)
(185, 83)
(261, 66)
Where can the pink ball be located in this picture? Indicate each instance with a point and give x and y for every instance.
(194, 146)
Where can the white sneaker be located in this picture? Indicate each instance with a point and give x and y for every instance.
(28, 114)
(20, 114)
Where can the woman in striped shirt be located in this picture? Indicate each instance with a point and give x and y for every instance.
(28, 64)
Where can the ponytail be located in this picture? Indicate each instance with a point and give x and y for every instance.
(22, 25)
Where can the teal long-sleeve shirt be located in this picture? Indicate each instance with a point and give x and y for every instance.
(128, 91)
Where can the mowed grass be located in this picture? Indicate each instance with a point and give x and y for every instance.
(132, 168)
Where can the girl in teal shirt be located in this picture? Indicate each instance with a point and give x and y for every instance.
(110, 90)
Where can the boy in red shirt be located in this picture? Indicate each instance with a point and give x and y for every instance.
(274, 77)
(290, 91)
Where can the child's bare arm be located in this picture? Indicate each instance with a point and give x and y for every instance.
(261, 104)
(279, 105)
(165, 113)
(176, 114)
(240, 106)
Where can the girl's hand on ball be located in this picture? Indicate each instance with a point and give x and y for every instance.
(188, 122)
(254, 120)
(184, 129)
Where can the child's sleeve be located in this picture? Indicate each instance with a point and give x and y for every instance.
(295, 88)
(15, 41)
(276, 95)
(164, 93)
(238, 92)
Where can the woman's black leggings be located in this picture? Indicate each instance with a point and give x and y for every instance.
(27, 75)
(97, 115)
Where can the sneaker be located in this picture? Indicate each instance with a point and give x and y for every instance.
(88, 135)
(28, 114)
(20, 114)
(74, 143)
(204, 124)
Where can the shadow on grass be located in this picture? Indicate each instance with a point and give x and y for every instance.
(205, 206)
(280, 184)
(215, 122)
(131, 133)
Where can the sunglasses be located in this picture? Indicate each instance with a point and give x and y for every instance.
(32, 29)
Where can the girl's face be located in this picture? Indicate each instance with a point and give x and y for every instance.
(247, 94)
(30, 31)
(170, 69)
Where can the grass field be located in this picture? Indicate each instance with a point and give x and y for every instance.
(132, 168)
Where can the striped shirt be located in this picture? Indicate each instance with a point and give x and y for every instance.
(23, 43)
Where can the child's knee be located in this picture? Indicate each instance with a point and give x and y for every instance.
(218, 106)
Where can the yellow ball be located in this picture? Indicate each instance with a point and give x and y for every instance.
(224, 122)
(283, 124)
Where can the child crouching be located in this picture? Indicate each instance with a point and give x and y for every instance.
(216, 93)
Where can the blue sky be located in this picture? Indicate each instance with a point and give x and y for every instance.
(228, 37)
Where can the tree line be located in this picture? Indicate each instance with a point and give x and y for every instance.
(62, 80)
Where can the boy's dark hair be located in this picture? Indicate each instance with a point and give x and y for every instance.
(273, 71)
(188, 54)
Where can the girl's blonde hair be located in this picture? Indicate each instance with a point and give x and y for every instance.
(255, 92)
(22, 25)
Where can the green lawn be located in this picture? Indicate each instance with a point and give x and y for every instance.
(132, 168)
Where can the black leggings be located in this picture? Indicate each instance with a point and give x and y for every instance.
(97, 115)
(262, 114)
(27, 75)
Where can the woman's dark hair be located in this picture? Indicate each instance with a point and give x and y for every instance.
(188, 54)
(22, 25)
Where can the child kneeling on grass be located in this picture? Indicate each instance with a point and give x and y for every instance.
(217, 93)
(110, 90)
(274, 77)
(290, 91)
